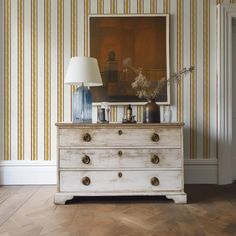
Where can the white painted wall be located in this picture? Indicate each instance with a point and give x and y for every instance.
(234, 97)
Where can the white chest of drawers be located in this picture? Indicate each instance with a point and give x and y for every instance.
(120, 160)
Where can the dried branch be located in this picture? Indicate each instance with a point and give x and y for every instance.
(144, 87)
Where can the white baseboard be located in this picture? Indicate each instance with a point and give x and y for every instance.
(27, 173)
(40, 173)
(200, 172)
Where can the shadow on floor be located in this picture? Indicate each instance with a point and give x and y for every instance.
(207, 192)
(119, 199)
(196, 193)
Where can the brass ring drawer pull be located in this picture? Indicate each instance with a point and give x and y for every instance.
(120, 153)
(119, 174)
(120, 132)
(155, 159)
(86, 159)
(86, 181)
(155, 137)
(155, 181)
(87, 137)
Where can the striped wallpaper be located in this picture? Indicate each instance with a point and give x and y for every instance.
(37, 38)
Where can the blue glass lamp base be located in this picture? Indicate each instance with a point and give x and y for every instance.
(82, 105)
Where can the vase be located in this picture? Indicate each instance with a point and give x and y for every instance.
(82, 105)
(167, 114)
(151, 112)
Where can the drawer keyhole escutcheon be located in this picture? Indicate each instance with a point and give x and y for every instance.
(155, 137)
(155, 159)
(155, 181)
(86, 159)
(120, 132)
(119, 174)
(86, 181)
(87, 137)
(120, 153)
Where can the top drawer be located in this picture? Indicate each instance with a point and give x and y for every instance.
(120, 137)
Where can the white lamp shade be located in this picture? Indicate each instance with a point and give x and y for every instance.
(83, 70)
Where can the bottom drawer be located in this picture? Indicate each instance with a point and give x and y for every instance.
(120, 181)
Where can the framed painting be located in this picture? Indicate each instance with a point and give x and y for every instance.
(124, 45)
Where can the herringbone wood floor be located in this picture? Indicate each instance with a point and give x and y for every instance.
(30, 211)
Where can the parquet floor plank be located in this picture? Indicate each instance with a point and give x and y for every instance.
(14, 202)
(7, 191)
(30, 211)
(35, 215)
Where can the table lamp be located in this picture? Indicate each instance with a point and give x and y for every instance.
(83, 72)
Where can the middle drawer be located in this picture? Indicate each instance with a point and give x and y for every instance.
(120, 158)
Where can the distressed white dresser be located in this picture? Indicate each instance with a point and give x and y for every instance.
(119, 160)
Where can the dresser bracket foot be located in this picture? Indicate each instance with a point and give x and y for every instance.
(178, 198)
(60, 198)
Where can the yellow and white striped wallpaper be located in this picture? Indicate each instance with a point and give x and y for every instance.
(37, 39)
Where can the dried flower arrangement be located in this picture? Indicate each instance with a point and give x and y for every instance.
(145, 89)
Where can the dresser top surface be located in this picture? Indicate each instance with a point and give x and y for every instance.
(116, 125)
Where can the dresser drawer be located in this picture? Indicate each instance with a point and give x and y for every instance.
(123, 181)
(120, 158)
(120, 137)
